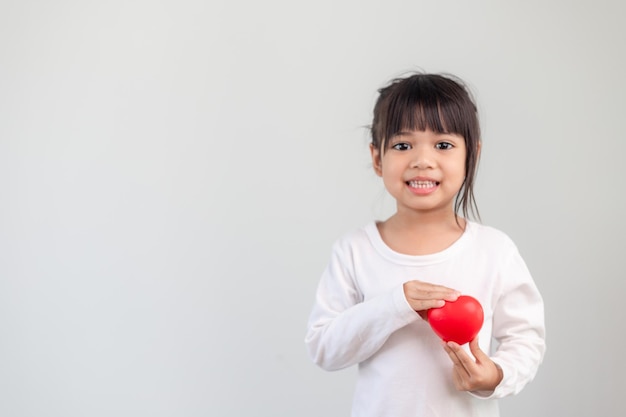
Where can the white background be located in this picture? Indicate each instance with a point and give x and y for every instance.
(173, 174)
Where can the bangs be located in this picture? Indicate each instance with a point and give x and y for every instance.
(426, 104)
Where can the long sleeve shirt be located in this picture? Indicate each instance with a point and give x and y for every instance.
(361, 317)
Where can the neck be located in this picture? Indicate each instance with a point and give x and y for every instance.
(421, 234)
(427, 221)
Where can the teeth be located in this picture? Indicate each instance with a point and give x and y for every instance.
(422, 184)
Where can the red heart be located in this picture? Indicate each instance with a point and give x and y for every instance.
(457, 321)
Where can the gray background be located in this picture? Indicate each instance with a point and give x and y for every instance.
(173, 174)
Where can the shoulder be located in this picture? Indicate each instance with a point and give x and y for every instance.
(350, 248)
(356, 238)
(491, 238)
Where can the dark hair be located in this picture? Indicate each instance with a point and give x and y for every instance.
(441, 103)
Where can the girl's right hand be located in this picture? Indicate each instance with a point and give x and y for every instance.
(422, 296)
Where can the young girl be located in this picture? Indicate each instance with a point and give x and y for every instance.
(372, 299)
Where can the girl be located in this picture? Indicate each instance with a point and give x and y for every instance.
(381, 280)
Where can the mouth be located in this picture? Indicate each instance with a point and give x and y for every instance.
(422, 184)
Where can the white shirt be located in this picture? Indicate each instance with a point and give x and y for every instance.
(361, 317)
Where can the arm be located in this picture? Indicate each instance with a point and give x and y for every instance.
(344, 329)
(518, 327)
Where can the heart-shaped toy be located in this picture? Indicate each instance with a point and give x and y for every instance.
(457, 321)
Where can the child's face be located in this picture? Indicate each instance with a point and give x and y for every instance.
(422, 170)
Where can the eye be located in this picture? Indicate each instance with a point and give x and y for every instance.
(444, 146)
(401, 146)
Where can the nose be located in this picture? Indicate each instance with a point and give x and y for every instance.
(422, 159)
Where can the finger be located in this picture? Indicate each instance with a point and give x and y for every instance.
(425, 291)
(442, 293)
(425, 305)
(476, 351)
(422, 296)
(463, 360)
(449, 348)
(422, 306)
(457, 378)
(429, 288)
(459, 373)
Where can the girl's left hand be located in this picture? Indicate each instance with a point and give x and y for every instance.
(469, 375)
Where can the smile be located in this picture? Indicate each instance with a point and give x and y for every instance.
(422, 184)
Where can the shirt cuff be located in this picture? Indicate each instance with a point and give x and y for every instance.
(496, 393)
(402, 306)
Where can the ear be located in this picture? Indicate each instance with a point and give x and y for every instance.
(479, 146)
(376, 161)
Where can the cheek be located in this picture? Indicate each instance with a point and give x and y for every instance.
(458, 173)
(391, 170)
(461, 168)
